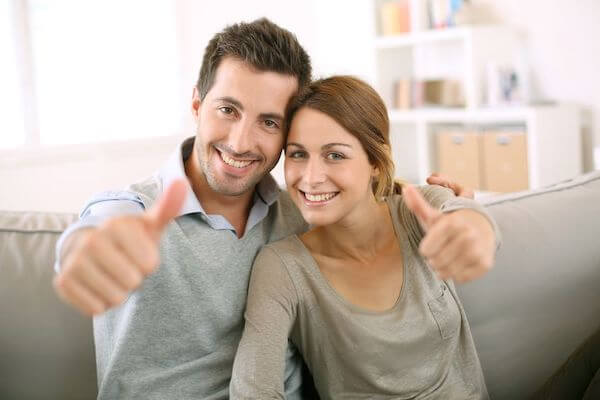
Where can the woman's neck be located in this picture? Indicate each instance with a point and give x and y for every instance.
(360, 235)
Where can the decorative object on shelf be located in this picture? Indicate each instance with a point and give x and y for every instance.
(395, 17)
(506, 85)
(442, 13)
(443, 93)
(428, 93)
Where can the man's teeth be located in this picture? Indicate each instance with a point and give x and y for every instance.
(235, 163)
(319, 197)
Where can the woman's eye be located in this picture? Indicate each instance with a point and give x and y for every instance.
(295, 154)
(335, 156)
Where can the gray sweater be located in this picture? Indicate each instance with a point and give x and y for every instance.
(421, 348)
(176, 336)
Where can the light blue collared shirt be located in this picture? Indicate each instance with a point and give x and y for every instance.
(122, 202)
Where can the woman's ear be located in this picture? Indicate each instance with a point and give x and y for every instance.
(375, 172)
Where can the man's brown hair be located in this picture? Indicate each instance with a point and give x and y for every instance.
(263, 45)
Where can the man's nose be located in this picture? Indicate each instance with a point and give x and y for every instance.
(240, 137)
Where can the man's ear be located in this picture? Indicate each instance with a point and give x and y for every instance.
(196, 103)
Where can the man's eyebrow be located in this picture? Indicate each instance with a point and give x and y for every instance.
(324, 147)
(275, 116)
(231, 101)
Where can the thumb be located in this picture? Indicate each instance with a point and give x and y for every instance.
(167, 207)
(419, 206)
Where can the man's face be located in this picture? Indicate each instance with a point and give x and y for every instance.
(239, 133)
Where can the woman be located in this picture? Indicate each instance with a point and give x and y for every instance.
(364, 294)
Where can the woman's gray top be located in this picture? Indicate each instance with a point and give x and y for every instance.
(421, 348)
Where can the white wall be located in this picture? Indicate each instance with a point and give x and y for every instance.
(563, 42)
(563, 49)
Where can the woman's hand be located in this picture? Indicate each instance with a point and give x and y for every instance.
(458, 189)
(459, 245)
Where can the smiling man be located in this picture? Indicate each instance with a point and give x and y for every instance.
(168, 298)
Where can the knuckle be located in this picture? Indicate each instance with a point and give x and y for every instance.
(117, 298)
(133, 280)
(98, 308)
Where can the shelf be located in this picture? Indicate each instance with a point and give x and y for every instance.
(481, 115)
(429, 36)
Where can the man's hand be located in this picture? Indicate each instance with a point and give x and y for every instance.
(459, 245)
(103, 265)
(442, 180)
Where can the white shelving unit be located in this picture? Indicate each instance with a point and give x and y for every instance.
(463, 54)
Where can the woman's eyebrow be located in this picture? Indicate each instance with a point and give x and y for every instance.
(330, 145)
(324, 147)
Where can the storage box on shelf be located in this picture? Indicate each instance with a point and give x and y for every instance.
(551, 143)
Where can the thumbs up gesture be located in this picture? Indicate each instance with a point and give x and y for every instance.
(102, 265)
(459, 245)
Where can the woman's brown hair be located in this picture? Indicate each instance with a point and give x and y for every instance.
(358, 108)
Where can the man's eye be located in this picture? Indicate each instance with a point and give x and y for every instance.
(271, 124)
(335, 156)
(226, 110)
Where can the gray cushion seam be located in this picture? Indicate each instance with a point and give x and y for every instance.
(30, 231)
(537, 193)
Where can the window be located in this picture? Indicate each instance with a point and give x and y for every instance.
(101, 70)
(12, 129)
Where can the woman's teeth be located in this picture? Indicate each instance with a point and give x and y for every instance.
(235, 163)
(319, 197)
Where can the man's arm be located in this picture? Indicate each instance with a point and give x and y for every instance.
(99, 263)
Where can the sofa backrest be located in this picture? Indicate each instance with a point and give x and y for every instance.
(542, 298)
(46, 347)
(527, 315)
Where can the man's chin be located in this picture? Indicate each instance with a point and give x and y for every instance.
(228, 187)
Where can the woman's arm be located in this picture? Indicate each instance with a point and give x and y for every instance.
(258, 370)
(458, 238)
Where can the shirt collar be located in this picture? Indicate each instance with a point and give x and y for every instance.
(267, 190)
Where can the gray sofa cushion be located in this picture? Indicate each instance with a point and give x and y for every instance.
(543, 296)
(46, 348)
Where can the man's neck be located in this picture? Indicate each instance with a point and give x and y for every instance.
(234, 208)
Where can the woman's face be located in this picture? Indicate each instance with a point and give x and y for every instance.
(327, 171)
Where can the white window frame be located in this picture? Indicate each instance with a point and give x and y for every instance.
(32, 152)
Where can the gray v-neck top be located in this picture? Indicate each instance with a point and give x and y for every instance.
(421, 348)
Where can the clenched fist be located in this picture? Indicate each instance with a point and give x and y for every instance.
(102, 265)
(459, 245)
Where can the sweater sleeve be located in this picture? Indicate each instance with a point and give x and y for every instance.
(258, 369)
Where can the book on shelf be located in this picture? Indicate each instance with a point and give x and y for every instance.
(395, 17)
(411, 93)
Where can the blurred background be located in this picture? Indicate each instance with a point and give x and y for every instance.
(503, 95)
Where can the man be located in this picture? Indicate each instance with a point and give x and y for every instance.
(172, 331)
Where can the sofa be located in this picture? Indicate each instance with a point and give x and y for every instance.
(527, 315)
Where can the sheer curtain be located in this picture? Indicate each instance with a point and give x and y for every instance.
(101, 70)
